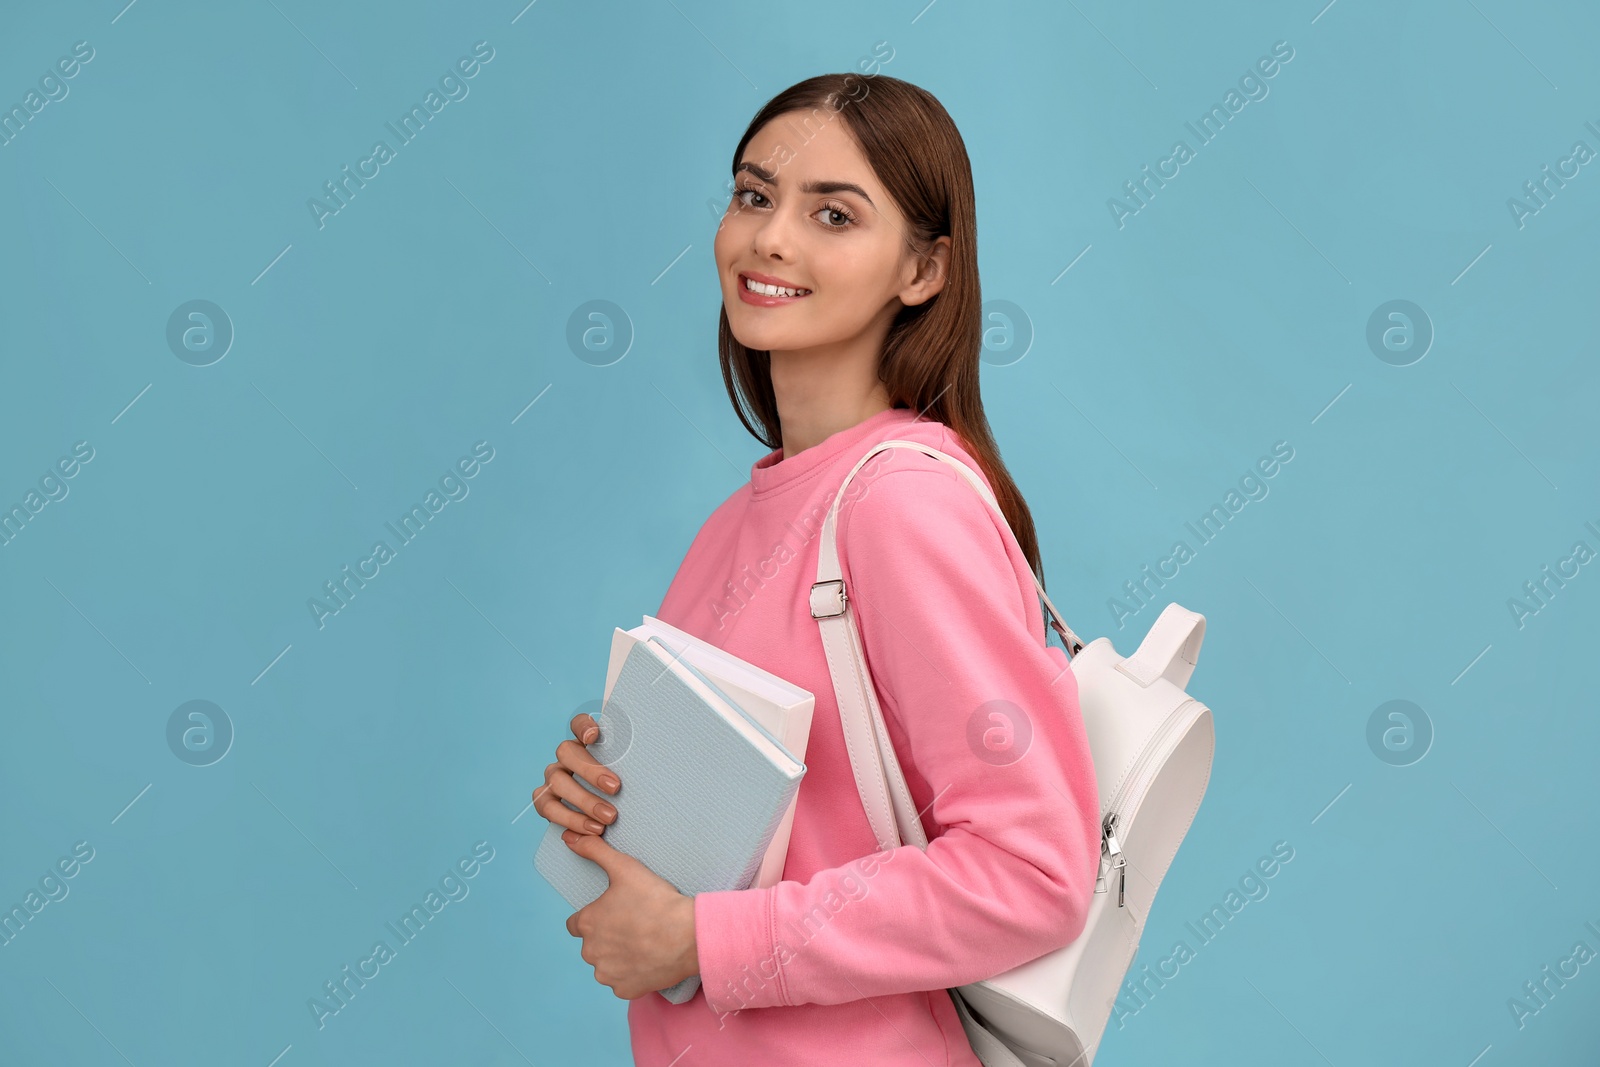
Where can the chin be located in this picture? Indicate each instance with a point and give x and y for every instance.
(760, 336)
(762, 340)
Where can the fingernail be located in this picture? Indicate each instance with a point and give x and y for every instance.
(590, 734)
(605, 811)
(593, 827)
(609, 783)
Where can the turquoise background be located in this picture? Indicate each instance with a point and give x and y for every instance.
(1433, 874)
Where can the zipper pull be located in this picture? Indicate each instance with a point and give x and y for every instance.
(1113, 852)
(1100, 874)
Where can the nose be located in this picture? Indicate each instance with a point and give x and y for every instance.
(772, 237)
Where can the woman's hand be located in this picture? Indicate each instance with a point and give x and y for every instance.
(639, 934)
(572, 757)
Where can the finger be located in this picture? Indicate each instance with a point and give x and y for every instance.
(568, 804)
(584, 728)
(577, 760)
(593, 847)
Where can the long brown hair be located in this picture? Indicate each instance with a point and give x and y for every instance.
(931, 355)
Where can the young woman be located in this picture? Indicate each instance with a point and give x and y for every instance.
(854, 198)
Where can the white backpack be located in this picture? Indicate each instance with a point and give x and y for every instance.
(1151, 744)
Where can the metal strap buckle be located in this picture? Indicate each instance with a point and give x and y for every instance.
(839, 601)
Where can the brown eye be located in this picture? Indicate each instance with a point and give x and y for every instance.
(839, 209)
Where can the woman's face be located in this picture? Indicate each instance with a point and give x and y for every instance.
(810, 214)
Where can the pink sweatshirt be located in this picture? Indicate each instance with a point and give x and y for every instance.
(846, 960)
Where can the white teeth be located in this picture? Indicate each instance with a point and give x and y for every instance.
(771, 290)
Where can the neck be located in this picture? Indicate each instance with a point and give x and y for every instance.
(818, 395)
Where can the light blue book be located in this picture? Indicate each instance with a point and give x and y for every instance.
(704, 786)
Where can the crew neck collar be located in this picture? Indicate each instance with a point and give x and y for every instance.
(772, 473)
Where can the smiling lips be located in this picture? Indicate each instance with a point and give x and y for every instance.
(763, 290)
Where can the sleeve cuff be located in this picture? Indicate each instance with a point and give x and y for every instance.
(734, 940)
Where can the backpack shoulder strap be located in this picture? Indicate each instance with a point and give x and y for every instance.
(890, 811)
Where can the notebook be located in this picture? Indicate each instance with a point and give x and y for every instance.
(704, 786)
(782, 708)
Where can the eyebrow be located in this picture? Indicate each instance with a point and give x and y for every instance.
(807, 187)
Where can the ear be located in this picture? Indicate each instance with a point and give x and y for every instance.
(931, 272)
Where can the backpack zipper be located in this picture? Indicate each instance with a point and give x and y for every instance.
(1112, 851)
(1133, 787)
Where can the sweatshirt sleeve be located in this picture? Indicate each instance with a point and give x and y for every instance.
(985, 722)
